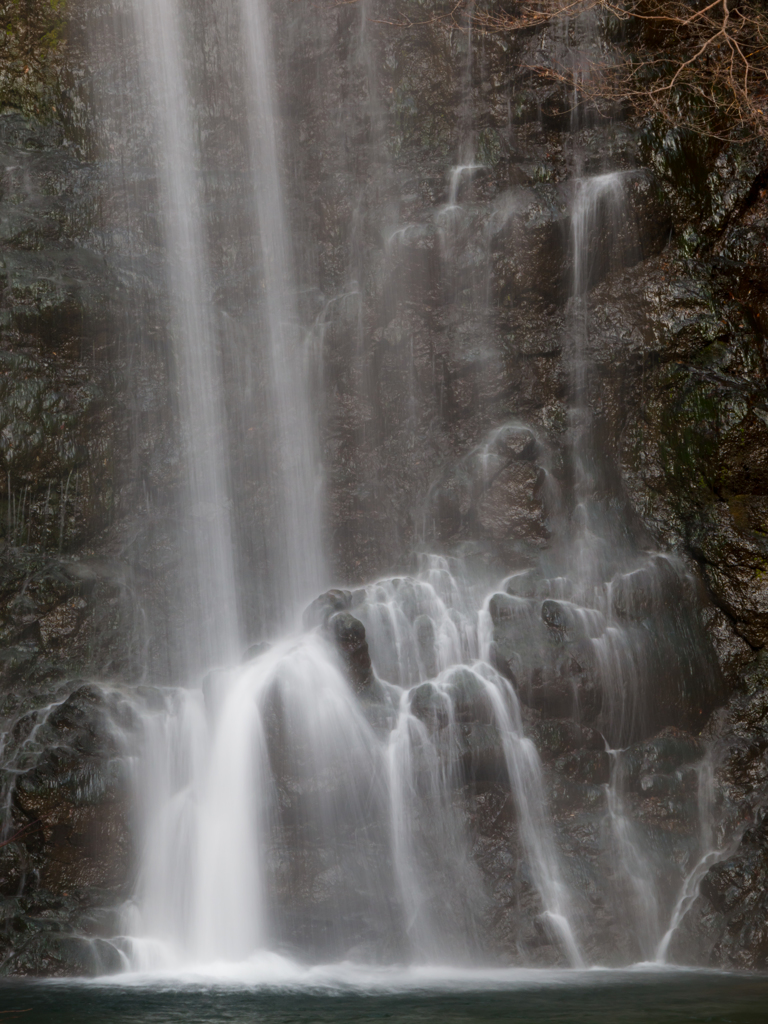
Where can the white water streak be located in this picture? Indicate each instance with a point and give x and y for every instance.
(210, 598)
(300, 569)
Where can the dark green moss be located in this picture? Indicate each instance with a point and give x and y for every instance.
(32, 41)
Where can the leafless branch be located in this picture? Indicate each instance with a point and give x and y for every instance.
(22, 833)
(703, 66)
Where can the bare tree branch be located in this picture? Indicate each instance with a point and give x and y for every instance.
(22, 833)
(705, 67)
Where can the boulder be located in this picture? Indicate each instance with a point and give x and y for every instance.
(348, 636)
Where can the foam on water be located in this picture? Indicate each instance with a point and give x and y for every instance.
(272, 972)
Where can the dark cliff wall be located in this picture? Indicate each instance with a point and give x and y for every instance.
(430, 339)
(83, 395)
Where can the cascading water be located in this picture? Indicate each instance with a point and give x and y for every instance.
(309, 801)
(320, 823)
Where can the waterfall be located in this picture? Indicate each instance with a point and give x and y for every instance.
(221, 775)
(287, 801)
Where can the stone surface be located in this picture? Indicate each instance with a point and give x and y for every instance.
(68, 861)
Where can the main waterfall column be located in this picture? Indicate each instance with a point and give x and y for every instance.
(212, 632)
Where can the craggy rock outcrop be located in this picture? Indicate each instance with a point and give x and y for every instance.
(726, 925)
(555, 652)
(70, 864)
(346, 634)
(450, 426)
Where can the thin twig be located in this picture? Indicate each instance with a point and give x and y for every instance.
(25, 832)
(714, 56)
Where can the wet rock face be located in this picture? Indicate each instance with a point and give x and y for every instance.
(563, 654)
(65, 612)
(733, 893)
(348, 634)
(58, 305)
(72, 539)
(76, 423)
(69, 857)
(462, 302)
(726, 925)
(73, 799)
(345, 633)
